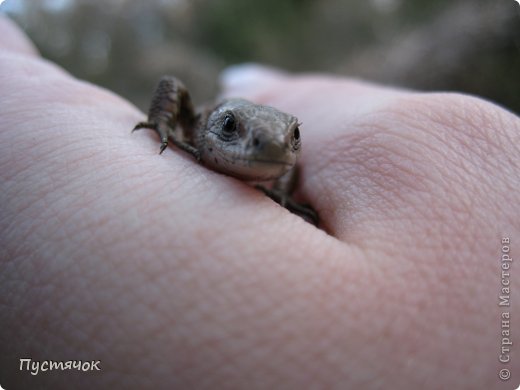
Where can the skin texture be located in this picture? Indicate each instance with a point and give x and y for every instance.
(175, 276)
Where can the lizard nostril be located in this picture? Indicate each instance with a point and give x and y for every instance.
(256, 142)
(296, 134)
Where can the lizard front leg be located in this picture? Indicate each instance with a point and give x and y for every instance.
(171, 105)
(281, 192)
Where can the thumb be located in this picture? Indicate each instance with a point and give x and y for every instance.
(13, 38)
(248, 80)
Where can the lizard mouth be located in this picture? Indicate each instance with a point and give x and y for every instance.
(250, 160)
(268, 162)
(251, 169)
(265, 166)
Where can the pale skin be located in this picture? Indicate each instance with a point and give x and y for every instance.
(174, 275)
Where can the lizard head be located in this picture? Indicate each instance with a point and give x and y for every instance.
(250, 141)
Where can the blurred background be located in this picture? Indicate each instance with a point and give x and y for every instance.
(463, 45)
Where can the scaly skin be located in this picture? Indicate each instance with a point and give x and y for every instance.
(264, 145)
(236, 137)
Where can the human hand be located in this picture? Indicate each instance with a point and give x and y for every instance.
(174, 275)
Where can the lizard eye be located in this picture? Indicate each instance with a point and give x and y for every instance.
(229, 125)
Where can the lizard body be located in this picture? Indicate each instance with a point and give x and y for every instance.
(236, 137)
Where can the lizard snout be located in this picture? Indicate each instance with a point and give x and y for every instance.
(268, 146)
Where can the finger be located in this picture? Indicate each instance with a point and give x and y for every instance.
(245, 80)
(14, 39)
(331, 110)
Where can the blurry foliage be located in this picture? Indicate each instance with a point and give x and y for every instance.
(251, 30)
(466, 45)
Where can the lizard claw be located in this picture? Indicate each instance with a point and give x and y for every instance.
(303, 210)
(155, 127)
(164, 145)
(144, 125)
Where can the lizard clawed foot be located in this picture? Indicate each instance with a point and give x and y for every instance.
(305, 211)
(171, 106)
(153, 126)
(283, 199)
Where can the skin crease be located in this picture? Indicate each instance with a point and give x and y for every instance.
(174, 276)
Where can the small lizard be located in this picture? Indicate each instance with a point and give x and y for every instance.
(248, 141)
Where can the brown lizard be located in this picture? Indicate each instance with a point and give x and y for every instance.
(248, 141)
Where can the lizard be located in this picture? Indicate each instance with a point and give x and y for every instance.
(248, 141)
